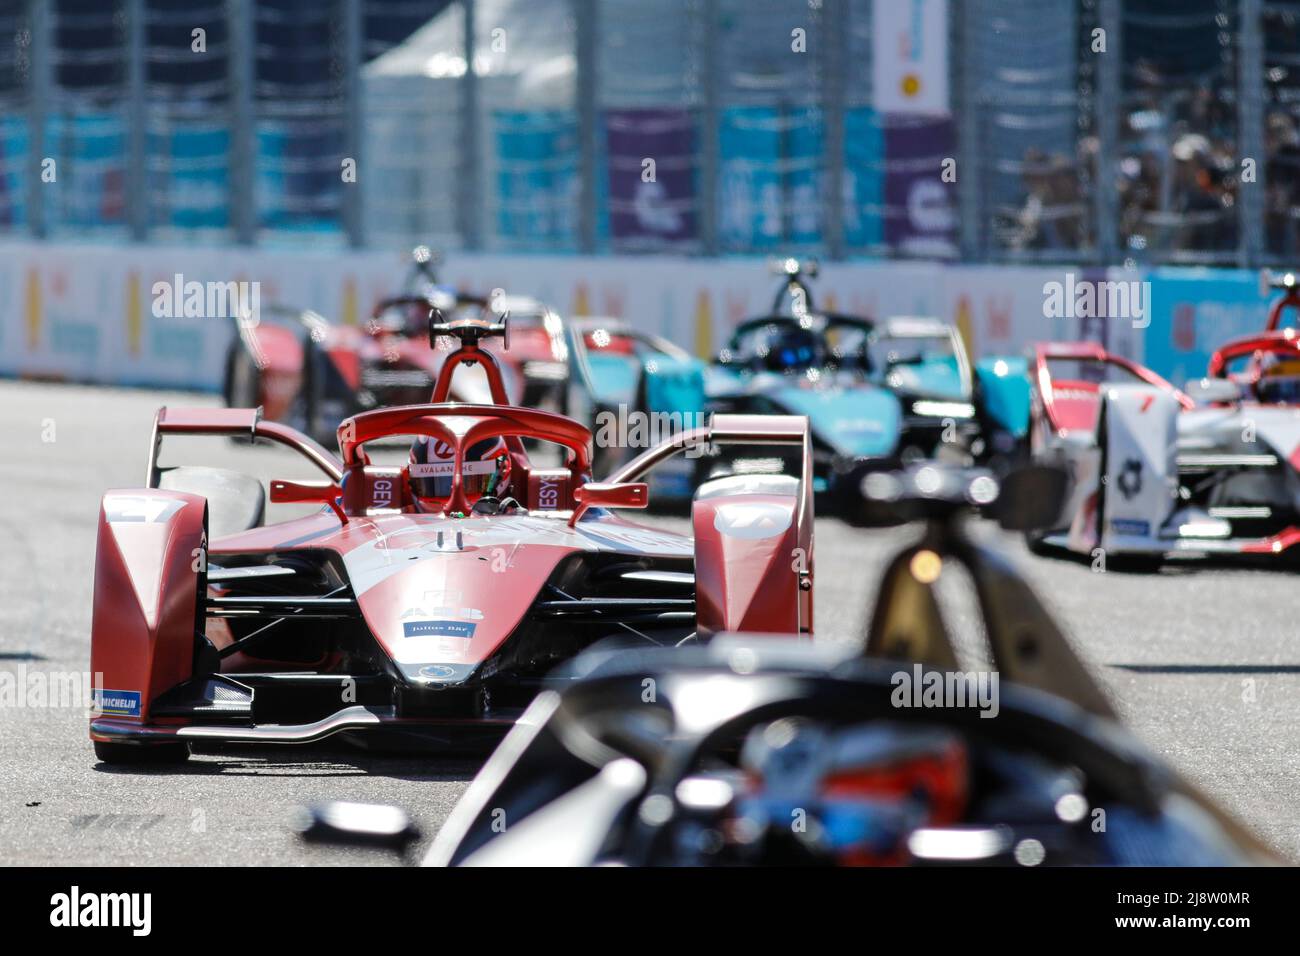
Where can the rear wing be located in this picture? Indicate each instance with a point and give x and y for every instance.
(1046, 352)
(234, 423)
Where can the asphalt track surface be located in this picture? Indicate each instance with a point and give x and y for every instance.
(1202, 662)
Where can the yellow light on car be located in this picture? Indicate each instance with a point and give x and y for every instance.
(926, 566)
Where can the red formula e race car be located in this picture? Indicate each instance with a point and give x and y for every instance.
(423, 600)
(307, 372)
(310, 373)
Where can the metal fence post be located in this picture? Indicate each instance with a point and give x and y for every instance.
(353, 32)
(469, 213)
(967, 102)
(241, 57)
(1110, 101)
(835, 32)
(585, 13)
(137, 182)
(1250, 211)
(40, 80)
(707, 201)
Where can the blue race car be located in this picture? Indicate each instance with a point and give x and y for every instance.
(633, 389)
(977, 412)
(877, 394)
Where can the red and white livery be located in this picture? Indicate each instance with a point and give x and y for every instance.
(431, 606)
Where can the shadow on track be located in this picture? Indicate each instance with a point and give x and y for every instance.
(310, 761)
(1209, 668)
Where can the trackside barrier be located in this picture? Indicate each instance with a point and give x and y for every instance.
(163, 316)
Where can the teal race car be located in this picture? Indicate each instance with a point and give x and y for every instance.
(978, 410)
(878, 395)
(633, 388)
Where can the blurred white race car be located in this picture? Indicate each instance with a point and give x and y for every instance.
(1155, 471)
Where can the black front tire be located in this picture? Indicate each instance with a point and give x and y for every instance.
(308, 403)
(1135, 563)
(141, 754)
(1036, 542)
(243, 385)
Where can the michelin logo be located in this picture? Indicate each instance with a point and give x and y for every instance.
(117, 703)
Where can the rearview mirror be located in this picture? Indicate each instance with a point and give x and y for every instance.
(1213, 391)
(319, 492)
(601, 494)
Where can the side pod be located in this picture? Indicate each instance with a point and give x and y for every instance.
(150, 573)
(1137, 441)
(753, 533)
(750, 572)
(1004, 385)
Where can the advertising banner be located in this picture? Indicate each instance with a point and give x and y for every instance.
(116, 315)
(909, 56)
(537, 176)
(864, 179)
(768, 193)
(651, 166)
(1194, 311)
(921, 212)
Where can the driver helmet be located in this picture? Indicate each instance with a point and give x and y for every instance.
(406, 317)
(485, 471)
(1279, 379)
(789, 350)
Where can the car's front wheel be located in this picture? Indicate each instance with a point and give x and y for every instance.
(243, 380)
(1036, 542)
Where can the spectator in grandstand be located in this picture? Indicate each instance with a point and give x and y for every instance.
(1029, 232)
(1068, 209)
(1052, 213)
(1282, 182)
(1139, 199)
(1202, 195)
(1178, 179)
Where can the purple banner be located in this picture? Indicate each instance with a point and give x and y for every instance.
(651, 155)
(921, 209)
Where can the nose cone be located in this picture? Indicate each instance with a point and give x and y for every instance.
(441, 595)
(436, 675)
(863, 421)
